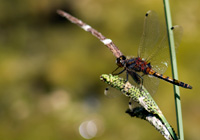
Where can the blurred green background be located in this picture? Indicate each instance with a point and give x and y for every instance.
(50, 68)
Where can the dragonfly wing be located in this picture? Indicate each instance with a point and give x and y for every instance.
(150, 36)
(161, 59)
(151, 83)
(178, 33)
(111, 92)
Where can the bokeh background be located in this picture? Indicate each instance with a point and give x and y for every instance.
(50, 68)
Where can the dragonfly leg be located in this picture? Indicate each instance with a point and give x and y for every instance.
(136, 77)
(141, 77)
(115, 70)
(126, 76)
(119, 72)
(141, 83)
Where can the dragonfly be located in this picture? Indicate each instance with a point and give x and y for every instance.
(153, 52)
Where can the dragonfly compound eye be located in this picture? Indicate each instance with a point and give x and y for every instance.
(120, 61)
(122, 57)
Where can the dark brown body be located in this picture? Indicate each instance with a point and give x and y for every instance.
(134, 65)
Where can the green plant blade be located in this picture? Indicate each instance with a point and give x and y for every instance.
(174, 69)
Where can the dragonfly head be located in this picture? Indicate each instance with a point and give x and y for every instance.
(121, 61)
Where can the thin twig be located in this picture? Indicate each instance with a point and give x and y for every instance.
(108, 42)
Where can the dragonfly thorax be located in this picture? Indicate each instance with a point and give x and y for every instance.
(138, 65)
(134, 64)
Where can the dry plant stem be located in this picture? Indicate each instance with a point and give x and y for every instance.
(108, 42)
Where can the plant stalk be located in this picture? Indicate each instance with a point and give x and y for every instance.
(174, 69)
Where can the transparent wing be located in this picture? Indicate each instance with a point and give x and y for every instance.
(154, 48)
(151, 83)
(178, 33)
(111, 92)
(150, 36)
(160, 60)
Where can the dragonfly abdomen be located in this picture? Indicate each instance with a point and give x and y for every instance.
(170, 80)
